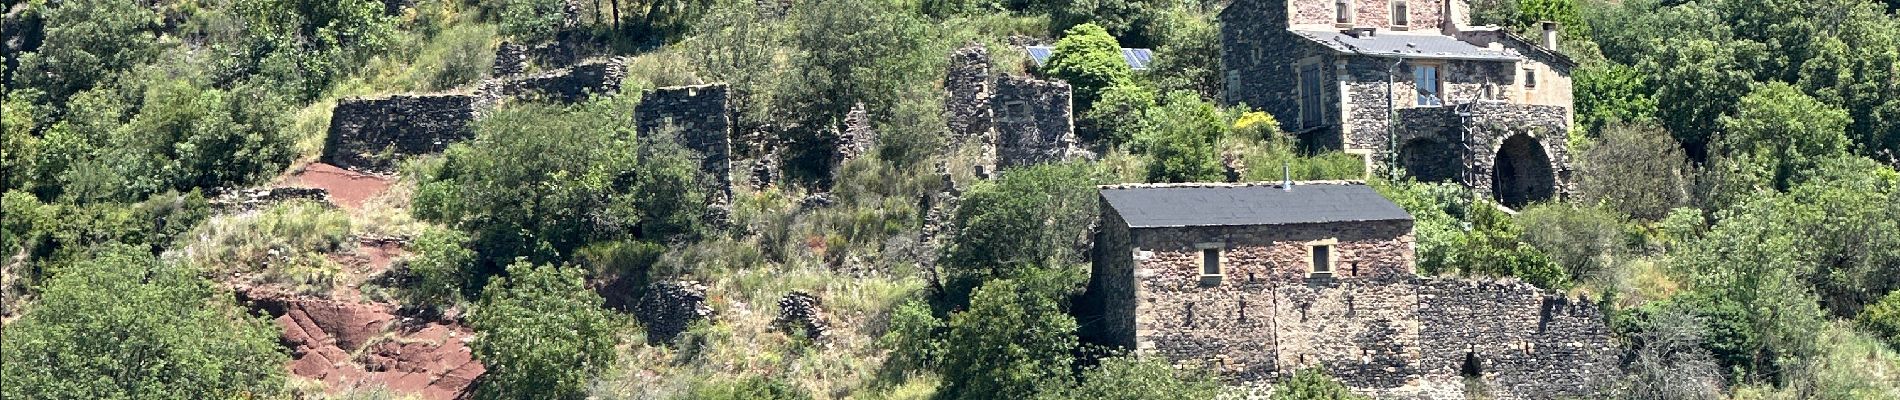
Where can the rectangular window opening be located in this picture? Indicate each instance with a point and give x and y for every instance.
(1322, 259)
(1401, 17)
(1530, 78)
(1211, 269)
(1343, 9)
(1430, 89)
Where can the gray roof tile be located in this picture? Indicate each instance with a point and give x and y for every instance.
(1239, 205)
(1405, 45)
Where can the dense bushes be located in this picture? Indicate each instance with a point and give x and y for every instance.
(1182, 140)
(123, 325)
(1028, 219)
(1016, 340)
(542, 334)
(538, 187)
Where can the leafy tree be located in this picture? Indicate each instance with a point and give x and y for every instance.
(1697, 81)
(1013, 342)
(1749, 288)
(1843, 213)
(532, 21)
(1091, 61)
(85, 42)
(440, 269)
(672, 197)
(1183, 140)
(1132, 20)
(1786, 129)
(1495, 246)
(1436, 209)
(915, 337)
(1611, 93)
(1584, 241)
(300, 46)
(535, 186)
(846, 52)
(1883, 319)
(1133, 378)
(1016, 224)
(542, 334)
(1118, 116)
(124, 325)
(1313, 384)
(1637, 170)
(1190, 38)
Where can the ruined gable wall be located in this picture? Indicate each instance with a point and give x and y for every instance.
(568, 85)
(1364, 332)
(1035, 121)
(968, 87)
(370, 134)
(704, 123)
(1528, 344)
(1109, 315)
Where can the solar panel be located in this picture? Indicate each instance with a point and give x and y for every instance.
(1040, 54)
(1137, 59)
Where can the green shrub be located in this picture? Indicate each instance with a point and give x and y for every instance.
(1636, 170)
(1024, 220)
(1014, 342)
(542, 334)
(915, 337)
(1883, 319)
(124, 325)
(752, 388)
(1132, 378)
(1118, 116)
(440, 269)
(1091, 61)
(1183, 140)
(1585, 241)
(1313, 384)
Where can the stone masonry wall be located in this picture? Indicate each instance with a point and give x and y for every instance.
(1381, 330)
(1424, 15)
(368, 135)
(1035, 121)
(968, 87)
(1491, 123)
(704, 120)
(567, 85)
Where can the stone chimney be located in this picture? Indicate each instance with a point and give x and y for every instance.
(1451, 21)
(1550, 34)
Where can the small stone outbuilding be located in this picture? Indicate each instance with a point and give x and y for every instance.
(1258, 281)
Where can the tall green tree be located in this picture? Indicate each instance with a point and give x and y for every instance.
(85, 42)
(1637, 170)
(542, 334)
(846, 52)
(1027, 219)
(120, 324)
(1610, 93)
(1313, 384)
(1014, 342)
(1136, 378)
(1784, 128)
(1696, 81)
(1091, 61)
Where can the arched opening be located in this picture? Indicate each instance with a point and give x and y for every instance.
(1430, 160)
(1522, 173)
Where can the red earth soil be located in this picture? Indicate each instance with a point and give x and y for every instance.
(348, 189)
(348, 344)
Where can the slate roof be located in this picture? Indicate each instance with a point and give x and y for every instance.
(1162, 206)
(1404, 45)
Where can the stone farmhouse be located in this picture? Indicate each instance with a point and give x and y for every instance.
(1258, 281)
(1408, 83)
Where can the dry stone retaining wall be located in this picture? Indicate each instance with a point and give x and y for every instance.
(368, 135)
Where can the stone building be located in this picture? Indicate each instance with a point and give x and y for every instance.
(1476, 105)
(1019, 120)
(372, 134)
(1258, 281)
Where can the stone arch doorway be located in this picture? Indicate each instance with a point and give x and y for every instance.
(1430, 160)
(1522, 173)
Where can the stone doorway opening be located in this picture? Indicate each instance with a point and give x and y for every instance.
(1430, 160)
(1522, 173)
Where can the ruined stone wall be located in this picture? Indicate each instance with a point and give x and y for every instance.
(1035, 121)
(968, 87)
(567, 85)
(369, 135)
(1526, 344)
(702, 116)
(1109, 315)
(1364, 332)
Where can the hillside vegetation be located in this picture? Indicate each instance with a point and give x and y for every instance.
(1737, 205)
